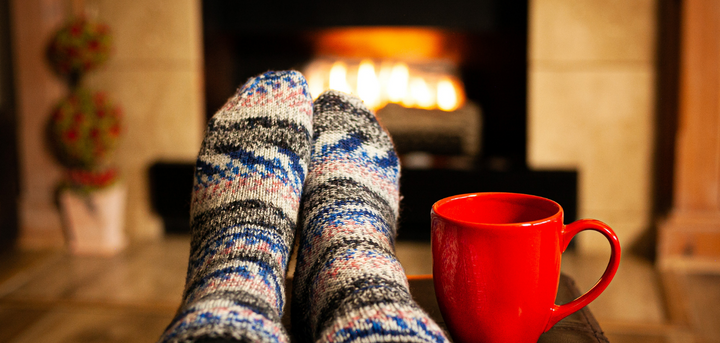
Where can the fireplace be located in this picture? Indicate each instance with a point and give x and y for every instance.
(485, 43)
(459, 117)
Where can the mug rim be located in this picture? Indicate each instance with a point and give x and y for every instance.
(550, 218)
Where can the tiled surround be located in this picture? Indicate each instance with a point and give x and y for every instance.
(591, 96)
(156, 74)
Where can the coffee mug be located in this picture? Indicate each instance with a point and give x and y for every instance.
(496, 265)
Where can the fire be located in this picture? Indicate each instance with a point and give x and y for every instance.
(338, 77)
(368, 86)
(398, 82)
(417, 86)
(447, 98)
(420, 94)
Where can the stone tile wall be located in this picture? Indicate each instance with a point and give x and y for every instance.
(591, 96)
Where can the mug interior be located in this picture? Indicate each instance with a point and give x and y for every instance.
(496, 208)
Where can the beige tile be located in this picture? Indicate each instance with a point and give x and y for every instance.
(153, 30)
(68, 324)
(627, 224)
(415, 257)
(634, 295)
(163, 110)
(164, 120)
(142, 223)
(592, 30)
(598, 121)
(41, 225)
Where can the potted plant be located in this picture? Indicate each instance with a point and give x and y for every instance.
(83, 133)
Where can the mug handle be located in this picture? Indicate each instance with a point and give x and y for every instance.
(558, 312)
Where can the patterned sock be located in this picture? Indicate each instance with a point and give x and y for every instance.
(245, 202)
(348, 285)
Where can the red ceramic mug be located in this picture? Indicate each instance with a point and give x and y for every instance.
(496, 265)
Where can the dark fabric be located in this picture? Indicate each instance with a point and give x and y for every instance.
(580, 326)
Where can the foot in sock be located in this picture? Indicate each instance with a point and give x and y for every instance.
(348, 285)
(245, 201)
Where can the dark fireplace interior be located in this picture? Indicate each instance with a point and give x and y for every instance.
(242, 39)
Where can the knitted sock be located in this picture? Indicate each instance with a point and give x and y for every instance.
(245, 202)
(348, 285)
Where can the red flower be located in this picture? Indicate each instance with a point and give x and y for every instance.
(76, 29)
(115, 130)
(71, 135)
(102, 29)
(73, 51)
(99, 98)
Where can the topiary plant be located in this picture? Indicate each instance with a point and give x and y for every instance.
(84, 128)
(84, 131)
(79, 47)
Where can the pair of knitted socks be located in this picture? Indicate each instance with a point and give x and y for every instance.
(263, 151)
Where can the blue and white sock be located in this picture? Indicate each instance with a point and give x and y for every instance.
(348, 284)
(249, 178)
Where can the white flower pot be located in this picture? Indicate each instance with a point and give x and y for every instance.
(95, 222)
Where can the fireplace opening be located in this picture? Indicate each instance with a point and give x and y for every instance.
(448, 79)
(482, 46)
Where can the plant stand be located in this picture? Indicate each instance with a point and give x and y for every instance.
(94, 223)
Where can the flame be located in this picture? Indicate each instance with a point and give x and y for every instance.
(398, 82)
(447, 97)
(421, 94)
(420, 86)
(338, 77)
(368, 86)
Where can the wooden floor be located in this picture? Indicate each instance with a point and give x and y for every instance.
(53, 297)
